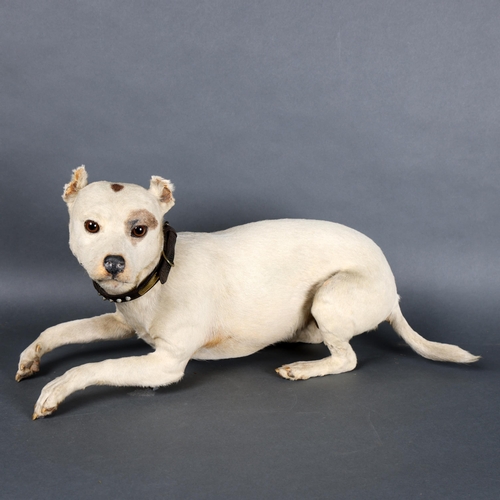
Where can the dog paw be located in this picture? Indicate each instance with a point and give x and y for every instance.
(29, 363)
(51, 396)
(294, 371)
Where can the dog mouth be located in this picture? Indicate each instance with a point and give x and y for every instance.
(117, 283)
(113, 280)
(113, 283)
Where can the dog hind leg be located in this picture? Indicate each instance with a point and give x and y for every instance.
(310, 334)
(344, 306)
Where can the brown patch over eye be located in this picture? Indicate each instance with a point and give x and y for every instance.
(116, 187)
(142, 218)
(91, 226)
(140, 222)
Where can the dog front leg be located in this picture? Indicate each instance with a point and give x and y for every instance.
(152, 370)
(106, 327)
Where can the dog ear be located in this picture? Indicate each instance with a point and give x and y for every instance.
(162, 190)
(78, 181)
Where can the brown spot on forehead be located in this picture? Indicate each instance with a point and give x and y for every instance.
(143, 216)
(116, 187)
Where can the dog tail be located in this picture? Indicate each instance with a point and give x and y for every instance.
(430, 350)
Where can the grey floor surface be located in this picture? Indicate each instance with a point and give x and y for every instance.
(398, 426)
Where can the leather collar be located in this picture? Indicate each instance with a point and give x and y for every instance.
(159, 273)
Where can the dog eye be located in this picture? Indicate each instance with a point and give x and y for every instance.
(139, 231)
(92, 226)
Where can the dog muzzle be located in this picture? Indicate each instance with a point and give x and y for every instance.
(159, 273)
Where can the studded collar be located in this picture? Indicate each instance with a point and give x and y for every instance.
(159, 273)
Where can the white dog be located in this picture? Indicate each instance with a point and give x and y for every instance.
(230, 293)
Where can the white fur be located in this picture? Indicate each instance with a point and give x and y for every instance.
(230, 293)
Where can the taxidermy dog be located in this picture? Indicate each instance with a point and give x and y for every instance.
(228, 294)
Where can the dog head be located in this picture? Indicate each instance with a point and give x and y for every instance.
(116, 229)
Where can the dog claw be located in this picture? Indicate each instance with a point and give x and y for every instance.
(291, 372)
(27, 370)
(44, 412)
(285, 372)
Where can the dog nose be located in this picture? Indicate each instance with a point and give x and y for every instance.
(114, 264)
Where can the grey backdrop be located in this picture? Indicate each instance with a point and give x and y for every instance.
(383, 115)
